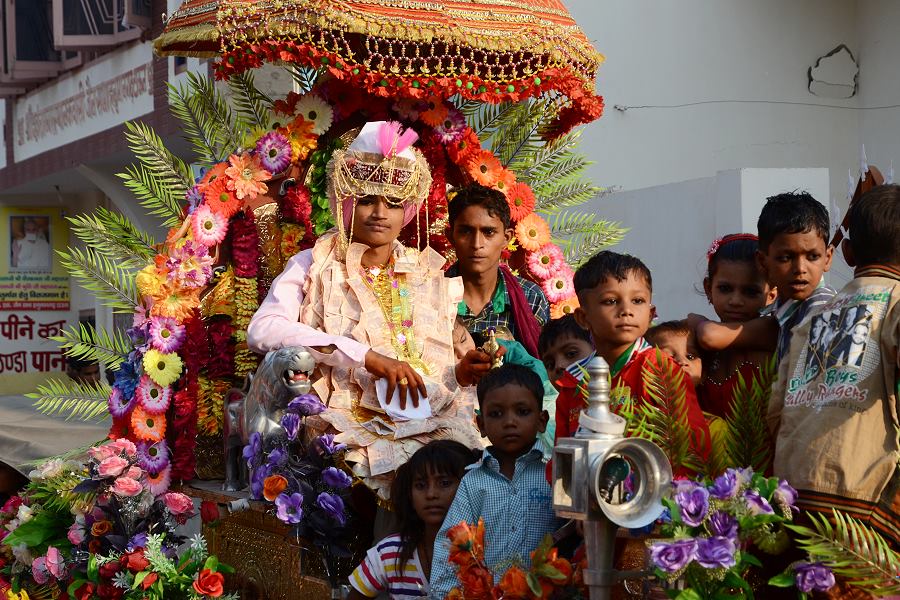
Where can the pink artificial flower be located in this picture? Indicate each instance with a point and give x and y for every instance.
(39, 570)
(124, 445)
(154, 398)
(166, 334)
(134, 473)
(12, 505)
(76, 533)
(246, 176)
(178, 504)
(159, 482)
(126, 487)
(112, 466)
(189, 265)
(559, 287)
(544, 262)
(209, 227)
(56, 564)
(100, 453)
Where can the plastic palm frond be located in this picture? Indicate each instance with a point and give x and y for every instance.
(81, 401)
(580, 235)
(305, 77)
(484, 119)
(43, 592)
(720, 436)
(115, 237)
(151, 151)
(95, 344)
(250, 102)
(748, 442)
(56, 493)
(549, 155)
(206, 99)
(198, 128)
(516, 138)
(852, 550)
(665, 412)
(153, 194)
(112, 283)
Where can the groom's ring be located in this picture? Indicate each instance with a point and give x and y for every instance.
(404, 381)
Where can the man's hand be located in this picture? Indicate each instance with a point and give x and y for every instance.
(475, 365)
(399, 375)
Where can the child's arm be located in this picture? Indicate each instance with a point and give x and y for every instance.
(757, 334)
(443, 572)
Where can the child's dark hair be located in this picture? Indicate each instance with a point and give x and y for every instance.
(475, 194)
(606, 264)
(791, 212)
(565, 326)
(654, 334)
(737, 247)
(874, 226)
(441, 457)
(513, 374)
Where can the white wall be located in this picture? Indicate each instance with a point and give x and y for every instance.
(2, 134)
(673, 225)
(879, 85)
(667, 52)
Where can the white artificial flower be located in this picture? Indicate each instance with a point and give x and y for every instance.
(316, 111)
(25, 514)
(51, 468)
(22, 554)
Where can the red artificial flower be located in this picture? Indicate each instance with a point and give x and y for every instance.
(521, 201)
(149, 580)
(209, 511)
(107, 591)
(465, 147)
(134, 561)
(477, 582)
(86, 591)
(209, 583)
(109, 570)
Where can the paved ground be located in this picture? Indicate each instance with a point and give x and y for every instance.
(26, 435)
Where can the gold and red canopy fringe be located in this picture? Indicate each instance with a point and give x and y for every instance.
(487, 50)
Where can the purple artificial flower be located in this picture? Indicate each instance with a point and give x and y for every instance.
(253, 447)
(336, 478)
(813, 577)
(725, 486)
(290, 508)
(138, 541)
(119, 405)
(306, 405)
(675, 555)
(153, 457)
(166, 334)
(139, 336)
(277, 458)
(452, 127)
(274, 151)
(716, 552)
(683, 485)
(194, 198)
(785, 495)
(723, 525)
(326, 442)
(694, 505)
(333, 505)
(757, 504)
(291, 424)
(257, 480)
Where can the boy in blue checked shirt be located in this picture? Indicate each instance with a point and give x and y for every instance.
(507, 487)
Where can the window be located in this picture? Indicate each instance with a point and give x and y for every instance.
(81, 24)
(30, 55)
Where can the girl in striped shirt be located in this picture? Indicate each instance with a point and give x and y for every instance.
(399, 565)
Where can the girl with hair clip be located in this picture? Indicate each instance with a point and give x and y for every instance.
(369, 309)
(400, 564)
(737, 290)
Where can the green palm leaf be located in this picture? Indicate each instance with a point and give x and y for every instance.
(665, 412)
(95, 344)
(228, 127)
(153, 194)
(852, 550)
(82, 401)
(251, 103)
(112, 283)
(748, 441)
(114, 236)
(305, 77)
(198, 128)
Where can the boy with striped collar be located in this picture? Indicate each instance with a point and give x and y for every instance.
(615, 294)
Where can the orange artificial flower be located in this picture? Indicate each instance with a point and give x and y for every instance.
(513, 585)
(436, 113)
(566, 307)
(175, 302)
(465, 147)
(477, 582)
(483, 167)
(101, 527)
(506, 179)
(246, 176)
(147, 427)
(533, 232)
(216, 172)
(521, 201)
(299, 133)
(272, 486)
(220, 199)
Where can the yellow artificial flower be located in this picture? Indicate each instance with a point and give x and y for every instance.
(149, 281)
(163, 368)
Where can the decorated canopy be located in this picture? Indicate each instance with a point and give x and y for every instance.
(496, 51)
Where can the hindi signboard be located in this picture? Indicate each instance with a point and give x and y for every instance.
(31, 276)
